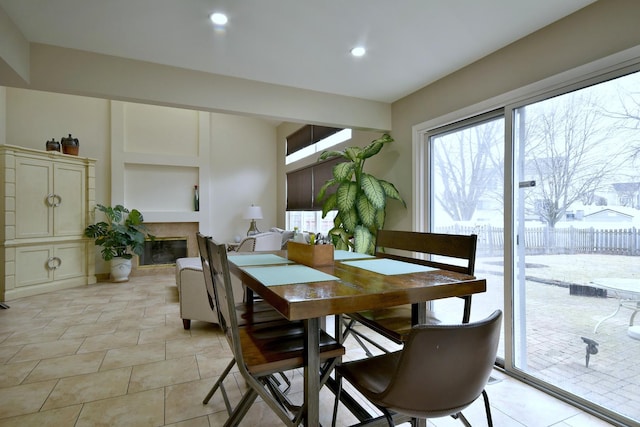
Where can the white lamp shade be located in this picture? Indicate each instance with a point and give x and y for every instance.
(253, 212)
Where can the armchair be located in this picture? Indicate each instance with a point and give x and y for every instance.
(268, 241)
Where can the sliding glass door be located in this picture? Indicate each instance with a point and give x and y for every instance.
(551, 186)
(577, 250)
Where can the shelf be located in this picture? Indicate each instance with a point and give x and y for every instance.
(158, 216)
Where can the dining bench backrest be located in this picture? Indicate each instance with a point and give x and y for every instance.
(452, 252)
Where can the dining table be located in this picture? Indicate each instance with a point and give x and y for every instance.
(352, 282)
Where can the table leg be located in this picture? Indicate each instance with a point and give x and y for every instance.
(608, 317)
(635, 311)
(312, 372)
(421, 315)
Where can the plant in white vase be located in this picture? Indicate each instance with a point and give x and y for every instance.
(121, 236)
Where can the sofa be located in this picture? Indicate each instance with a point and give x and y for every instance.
(192, 293)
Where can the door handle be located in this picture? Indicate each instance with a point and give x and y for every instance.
(54, 200)
(53, 263)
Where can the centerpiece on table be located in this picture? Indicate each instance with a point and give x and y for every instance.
(121, 236)
(310, 254)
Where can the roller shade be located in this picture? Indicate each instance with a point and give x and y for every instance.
(308, 135)
(303, 185)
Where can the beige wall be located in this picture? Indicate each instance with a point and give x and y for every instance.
(599, 30)
(240, 159)
(14, 53)
(243, 171)
(33, 117)
(56, 69)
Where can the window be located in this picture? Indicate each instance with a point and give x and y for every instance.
(304, 210)
(310, 140)
(466, 187)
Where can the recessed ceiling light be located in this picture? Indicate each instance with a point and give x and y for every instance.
(358, 51)
(218, 18)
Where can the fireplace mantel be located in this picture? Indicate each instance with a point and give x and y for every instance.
(186, 230)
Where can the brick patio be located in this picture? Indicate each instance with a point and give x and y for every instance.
(557, 321)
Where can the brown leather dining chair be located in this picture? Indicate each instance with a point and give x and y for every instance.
(441, 370)
(262, 350)
(446, 251)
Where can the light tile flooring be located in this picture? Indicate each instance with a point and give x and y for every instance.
(117, 355)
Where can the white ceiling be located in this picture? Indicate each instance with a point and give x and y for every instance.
(299, 43)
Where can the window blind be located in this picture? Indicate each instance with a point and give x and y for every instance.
(308, 135)
(303, 185)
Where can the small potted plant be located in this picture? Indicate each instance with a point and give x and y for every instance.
(121, 236)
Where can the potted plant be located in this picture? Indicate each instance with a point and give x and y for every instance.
(361, 198)
(121, 236)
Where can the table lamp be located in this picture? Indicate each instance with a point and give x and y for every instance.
(253, 213)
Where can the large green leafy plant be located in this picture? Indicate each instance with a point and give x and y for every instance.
(121, 235)
(360, 198)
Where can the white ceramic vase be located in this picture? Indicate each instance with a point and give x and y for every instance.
(120, 269)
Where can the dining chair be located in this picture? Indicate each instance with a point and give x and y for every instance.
(257, 312)
(445, 251)
(261, 350)
(441, 370)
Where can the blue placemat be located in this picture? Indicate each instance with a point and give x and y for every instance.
(340, 255)
(389, 266)
(257, 259)
(287, 274)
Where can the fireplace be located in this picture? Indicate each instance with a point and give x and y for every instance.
(173, 240)
(163, 251)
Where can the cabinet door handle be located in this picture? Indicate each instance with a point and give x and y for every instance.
(54, 262)
(54, 200)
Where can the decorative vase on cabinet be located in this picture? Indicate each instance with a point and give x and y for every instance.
(70, 145)
(45, 204)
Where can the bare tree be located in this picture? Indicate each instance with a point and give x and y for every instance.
(565, 153)
(626, 111)
(468, 163)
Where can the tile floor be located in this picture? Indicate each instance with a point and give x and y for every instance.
(117, 355)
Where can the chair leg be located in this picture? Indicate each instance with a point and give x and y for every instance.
(466, 316)
(487, 408)
(360, 338)
(462, 418)
(337, 401)
(387, 416)
(219, 384)
(186, 323)
(242, 408)
(271, 383)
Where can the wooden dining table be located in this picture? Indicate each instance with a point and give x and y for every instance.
(348, 285)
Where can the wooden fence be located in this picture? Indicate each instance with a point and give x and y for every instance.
(550, 241)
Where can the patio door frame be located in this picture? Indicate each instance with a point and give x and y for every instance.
(605, 69)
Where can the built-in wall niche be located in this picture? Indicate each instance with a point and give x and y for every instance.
(153, 129)
(160, 188)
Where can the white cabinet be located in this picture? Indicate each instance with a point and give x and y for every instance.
(41, 264)
(46, 202)
(56, 204)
